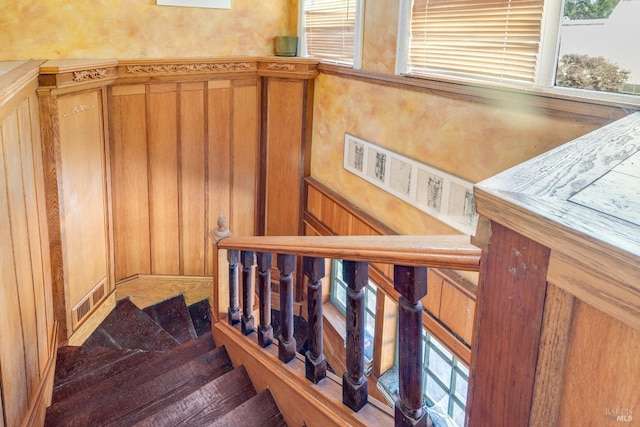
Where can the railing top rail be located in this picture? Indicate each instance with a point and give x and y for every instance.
(450, 251)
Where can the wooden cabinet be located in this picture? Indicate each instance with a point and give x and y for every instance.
(77, 181)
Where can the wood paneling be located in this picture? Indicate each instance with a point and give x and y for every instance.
(284, 171)
(183, 154)
(193, 181)
(245, 164)
(130, 189)
(26, 315)
(82, 189)
(162, 119)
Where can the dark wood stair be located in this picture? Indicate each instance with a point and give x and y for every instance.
(112, 380)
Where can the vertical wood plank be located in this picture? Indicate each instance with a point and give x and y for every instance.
(284, 167)
(83, 193)
(509, 310)
(163, 178)
(21, 251)
(130, 186)
(33, 226)
(245, 160)
(192, 178)
(12, 345)
(219, 157)
(38, 168)
(554, 342)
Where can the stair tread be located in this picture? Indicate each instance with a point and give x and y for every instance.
(173, 315)
(119, 384)
(80, 368)
(201, 316)
(260, 410)
(206, 404)
(129, 327)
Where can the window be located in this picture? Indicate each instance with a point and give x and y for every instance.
(542, 43)
(445, 381)
(339, 300)
(331, 30)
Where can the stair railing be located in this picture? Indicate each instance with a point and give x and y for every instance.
(410, 255)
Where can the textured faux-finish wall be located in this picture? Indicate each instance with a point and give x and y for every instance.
(471, 140)
(54, 29)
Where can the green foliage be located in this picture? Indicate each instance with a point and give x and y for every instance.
(587, 72)
(589, 9)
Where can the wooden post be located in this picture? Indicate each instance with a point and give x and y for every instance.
(234, 311)
(315, 362)
(248, 289)
(411, 283)
(509, 313)
(286, 341)
(354, 383)
(219, 302)
(265, 330)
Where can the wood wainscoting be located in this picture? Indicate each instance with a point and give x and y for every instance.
(450, 301)
(27, 332)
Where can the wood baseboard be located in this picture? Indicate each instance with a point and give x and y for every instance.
(146, 290)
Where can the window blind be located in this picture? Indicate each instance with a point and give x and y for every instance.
(329, 27)
(491, 39)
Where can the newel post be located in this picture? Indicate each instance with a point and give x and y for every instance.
(355, 391)
(265, 330)
(248, 289)
(411, 283)
(286, 340)
(315, 362)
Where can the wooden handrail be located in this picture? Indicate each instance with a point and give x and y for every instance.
(451, 251)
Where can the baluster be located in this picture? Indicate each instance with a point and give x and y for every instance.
(248, 289)
(286, 341)
(265, 330)
(354, 383)
(411, 283)
(315, 362)
(234, 311)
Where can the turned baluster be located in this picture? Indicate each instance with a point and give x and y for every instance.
(248, 289)
(286, 341)
(265, 330)
(315, 362)
(234, 311)
(411, 283)
(354, 383)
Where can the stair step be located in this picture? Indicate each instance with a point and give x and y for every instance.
(63, 411)
(207, 404)
(78, 368)
(261, 410)
(129, 327)
(173, 315)
(201, 316)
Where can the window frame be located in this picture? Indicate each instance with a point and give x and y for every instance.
(543, 84)
(358, 35)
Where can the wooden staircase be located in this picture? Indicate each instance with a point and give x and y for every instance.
(155, 367)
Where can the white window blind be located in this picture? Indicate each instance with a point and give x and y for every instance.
(329, 28)
(490, 39)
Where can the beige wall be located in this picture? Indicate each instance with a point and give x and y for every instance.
(54, 29)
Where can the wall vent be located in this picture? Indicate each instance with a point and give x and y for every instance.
(83, 309)
(98, 294)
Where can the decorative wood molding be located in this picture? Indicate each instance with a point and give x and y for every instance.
(204, 67)
(84, 75)
(78, 109)
(280, 67)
